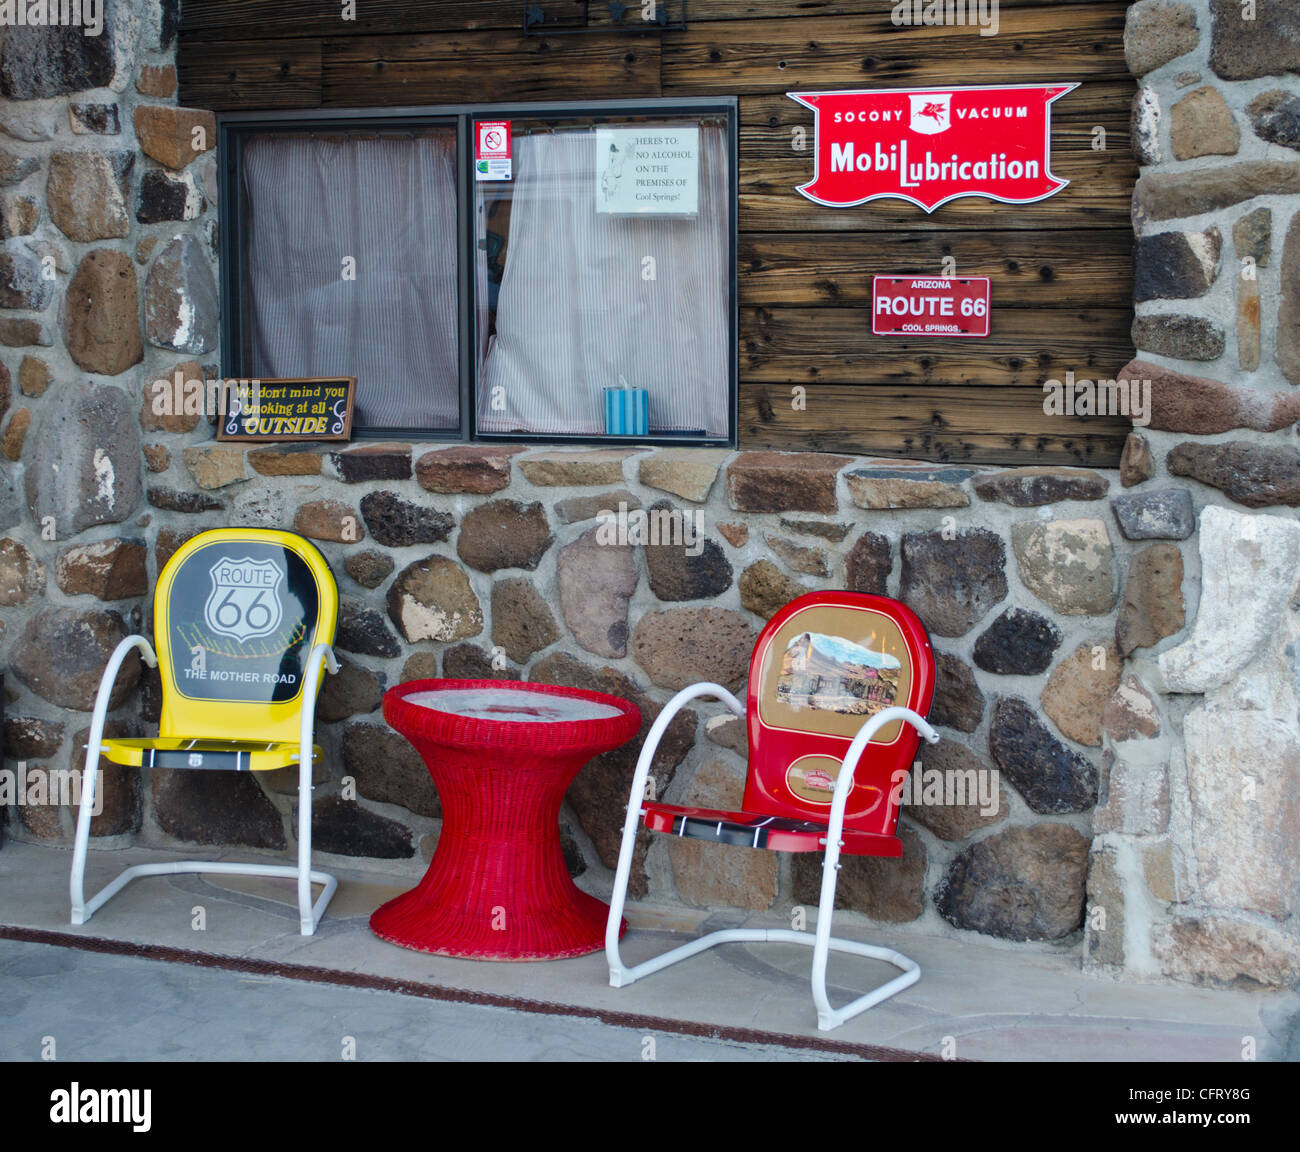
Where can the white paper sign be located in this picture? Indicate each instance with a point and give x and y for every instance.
(652, 171)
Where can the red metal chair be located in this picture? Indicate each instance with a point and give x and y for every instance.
(836, 679)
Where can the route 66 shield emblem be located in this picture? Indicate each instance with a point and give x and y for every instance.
(245, 599)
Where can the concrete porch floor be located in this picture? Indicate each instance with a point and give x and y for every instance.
(976, 1000)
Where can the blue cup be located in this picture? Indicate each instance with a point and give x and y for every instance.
(627, 412)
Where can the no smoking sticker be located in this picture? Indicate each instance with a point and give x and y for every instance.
(492, 150)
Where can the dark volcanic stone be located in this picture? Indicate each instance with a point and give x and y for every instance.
(110, 569)
(373, 462)
(1017, 643)
(822, 528)
(1275, 116)
(1019, 884)
(1179, 337)
(958, 701)
(677, 574)
(95, 119)
(951, 584)
(388, 770)
(164, 197)
(1031, 487)
(1252, 235)
(1050, 777)
(30, 738)
(120, 813)
(470, 662)
(599, 793)
(1168, 266)
(867, 565)
(21, 283)
(218, 808)
(170, 500)
(350, 690)
(574, 864)
(364, 632)
(369, 569)
(1254, 475)
(949, 812)
(62, 655)
(346, 829)
(504, 534)
(398, 523)
(889, 890)
(1166, 515)
(53, 60)
(1267, 45)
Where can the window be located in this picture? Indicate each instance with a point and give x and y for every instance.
(362, 244)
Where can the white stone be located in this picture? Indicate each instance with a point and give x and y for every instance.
(1146, 125)
(30, 121)
(260, 508)
(1248, 570)
(1244, 777)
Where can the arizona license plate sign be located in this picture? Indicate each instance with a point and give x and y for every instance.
(930, 146)
(930, 305)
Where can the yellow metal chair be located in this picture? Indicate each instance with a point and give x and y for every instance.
(243, 620)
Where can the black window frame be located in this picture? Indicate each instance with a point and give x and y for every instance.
(233, 128)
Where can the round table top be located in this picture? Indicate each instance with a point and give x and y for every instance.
(510, 714)
(512, 705)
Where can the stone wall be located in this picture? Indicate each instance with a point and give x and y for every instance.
(1196, 846)
(1148, 771)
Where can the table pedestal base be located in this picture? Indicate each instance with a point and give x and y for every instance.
(497, 887)
(489, 900)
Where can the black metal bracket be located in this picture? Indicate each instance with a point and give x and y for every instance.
(631, 17)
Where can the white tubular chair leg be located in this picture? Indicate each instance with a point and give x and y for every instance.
(822, 942)
(828, 1017)
(308, 915)
(82, 910)
(619, 973)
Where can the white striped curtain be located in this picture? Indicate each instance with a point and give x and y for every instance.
(576, 310)
(390, 204)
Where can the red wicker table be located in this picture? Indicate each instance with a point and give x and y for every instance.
(502, 755)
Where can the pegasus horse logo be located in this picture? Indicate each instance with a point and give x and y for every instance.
(931, 113)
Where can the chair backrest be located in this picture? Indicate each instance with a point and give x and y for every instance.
(236, 614)
(823, 666)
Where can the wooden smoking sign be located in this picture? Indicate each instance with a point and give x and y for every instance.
(311, 408)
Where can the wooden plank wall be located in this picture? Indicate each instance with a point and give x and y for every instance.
(1061, 268)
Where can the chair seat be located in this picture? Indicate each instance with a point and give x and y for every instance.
(221, 755)
(755, 830)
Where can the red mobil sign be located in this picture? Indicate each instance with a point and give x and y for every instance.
(933, 145)
(930, 305)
